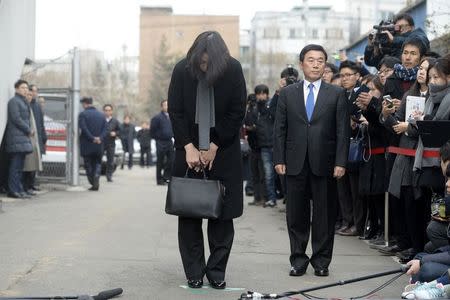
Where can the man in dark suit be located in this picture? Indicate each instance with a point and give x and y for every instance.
(161, 131)
(92, 125)
(311, 148)
(112, 132)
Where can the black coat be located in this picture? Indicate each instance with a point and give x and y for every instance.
(112, 125)
(325, 138)
(161, 127)
(40, 125)
(230, 97)
(18, 126)
(127, 136)
(92, 124)
(372, 172)
(144, 138)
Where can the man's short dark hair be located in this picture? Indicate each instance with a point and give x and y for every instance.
(416, 42)
(389, 61)
(108, 105)
(312, 47)
(405, 17)
(432, 54)
(351, 65)
(285, 73)
(261, 89)
(335, 76)
(444, 152)
(162, 102)
(31, 86)
(19, 83)
(87, 100)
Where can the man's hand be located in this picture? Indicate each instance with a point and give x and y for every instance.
(386, 110)
(192, 156)
(390, 36)
(97, 140)
(339, 172)
(207, 157)
(363, 100)
(280, 169)
(32, 133)
(397, 103)
(112, 133)
(400, 127)
(415, 267)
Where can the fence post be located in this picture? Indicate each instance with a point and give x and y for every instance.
(75, 161)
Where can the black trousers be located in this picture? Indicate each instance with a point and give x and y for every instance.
(110, 150)
(257, 175)
(190, 241)
(351, 204)
(164, 157)
(301, 189)
(29, 180)
(146, 156)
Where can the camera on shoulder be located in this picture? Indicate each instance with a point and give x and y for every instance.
(379, 38)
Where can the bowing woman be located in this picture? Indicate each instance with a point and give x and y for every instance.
(206, 106)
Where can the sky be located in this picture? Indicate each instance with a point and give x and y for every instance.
(109, 24)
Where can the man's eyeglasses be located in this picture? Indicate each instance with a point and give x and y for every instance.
(347, 75)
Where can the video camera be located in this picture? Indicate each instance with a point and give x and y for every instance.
(291, 78)
(379, 38)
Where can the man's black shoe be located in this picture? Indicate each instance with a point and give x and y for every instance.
(30, 192)
(161, 183)
(14, 195)
(35, 188)
(195, 283)
(321, 272)
(390, 250)
(109, 179)
(407, 254)
(218, 285)
(297, 272)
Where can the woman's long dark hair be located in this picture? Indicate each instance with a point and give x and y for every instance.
(211, 43)
(414, 90)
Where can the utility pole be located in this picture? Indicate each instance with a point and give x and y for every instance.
(75, 161)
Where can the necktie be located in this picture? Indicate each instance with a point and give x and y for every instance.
(310, 102)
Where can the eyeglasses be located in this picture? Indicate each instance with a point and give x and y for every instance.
(385, 71)
(347, 75)
(327, 71)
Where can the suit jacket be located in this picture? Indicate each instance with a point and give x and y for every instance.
(324, 140)
(92, 124)
(112, 125)
(230, 96)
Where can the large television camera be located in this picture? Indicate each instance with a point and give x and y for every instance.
(379, 38)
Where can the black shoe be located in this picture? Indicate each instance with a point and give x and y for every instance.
(218, 285)
(297, 271)
(160, 183)
(390, 250)
(14, 195)
(109, 179)
(30, 192)
(195, 283)
(321, 272)
(35, 188)
(407, 254)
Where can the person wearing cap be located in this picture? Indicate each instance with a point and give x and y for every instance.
(92, 125)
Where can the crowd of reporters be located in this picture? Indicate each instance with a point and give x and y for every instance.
(387, 155)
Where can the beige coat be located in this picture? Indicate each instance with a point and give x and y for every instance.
(33, 160)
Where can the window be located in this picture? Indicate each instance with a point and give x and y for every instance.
(315, 34)
(295, 33)
(271, 33)
(334, 33)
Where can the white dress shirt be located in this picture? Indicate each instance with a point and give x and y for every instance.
(316, 88)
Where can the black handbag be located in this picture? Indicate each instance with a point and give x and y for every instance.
(195, 198)
(356, 149)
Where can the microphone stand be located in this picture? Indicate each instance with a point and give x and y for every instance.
(257, 296)
(105, 295)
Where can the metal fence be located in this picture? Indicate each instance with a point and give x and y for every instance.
(58, 126)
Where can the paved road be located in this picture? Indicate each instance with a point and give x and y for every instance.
(70, 243)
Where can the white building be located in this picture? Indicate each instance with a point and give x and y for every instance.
(278, 37)
(17, 30)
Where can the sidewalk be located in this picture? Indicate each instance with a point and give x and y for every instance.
(69, 243)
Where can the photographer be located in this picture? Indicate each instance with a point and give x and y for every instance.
(389, 38)
(256, 164)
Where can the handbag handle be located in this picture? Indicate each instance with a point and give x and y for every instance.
(203, 170)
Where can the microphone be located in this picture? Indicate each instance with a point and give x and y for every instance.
(105, 295)
(405, 268)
